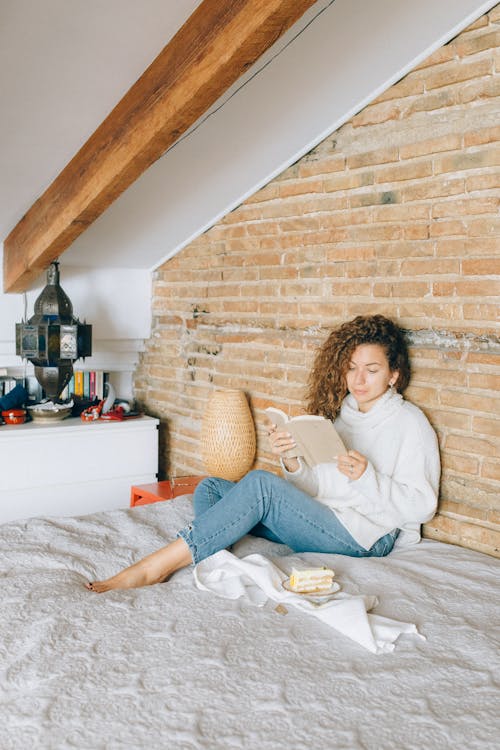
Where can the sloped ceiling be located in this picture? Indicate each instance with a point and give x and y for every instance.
(65, 64)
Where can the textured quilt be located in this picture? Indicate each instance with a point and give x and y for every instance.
(173, 666)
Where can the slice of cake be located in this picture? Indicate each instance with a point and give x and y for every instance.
(311, 580)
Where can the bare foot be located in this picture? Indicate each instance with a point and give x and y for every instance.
(130, 578)
(154, 568)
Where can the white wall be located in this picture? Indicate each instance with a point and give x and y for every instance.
(117, 302)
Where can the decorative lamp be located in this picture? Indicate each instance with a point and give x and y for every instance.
(228, 440)
(53, 339)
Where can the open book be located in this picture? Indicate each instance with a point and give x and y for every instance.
(317, 440)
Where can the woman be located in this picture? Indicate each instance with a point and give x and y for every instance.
(381, 490)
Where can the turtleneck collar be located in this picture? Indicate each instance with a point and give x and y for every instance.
(386, 405)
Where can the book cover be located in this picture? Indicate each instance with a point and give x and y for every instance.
(317, 440)
(99, 384)
(92, 384)
(78, 383)
(86, 384)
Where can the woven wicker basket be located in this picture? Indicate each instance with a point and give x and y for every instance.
(228, 441)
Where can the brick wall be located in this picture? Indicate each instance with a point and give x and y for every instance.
(398, 213)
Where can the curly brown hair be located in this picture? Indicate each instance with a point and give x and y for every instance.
(327, 385)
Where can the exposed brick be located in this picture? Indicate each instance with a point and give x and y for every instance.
(479, 23)
(300, 187)
(436, 315)
(452, 510)
(486, 426)
(402, 289)
(482, 267)
(471, 445)
(416, 231)
(376, 114)
(466, 400)
(477, 288)
(480, 311)
(487, 88)
(439, 187)
(374, 198)
(485, 181)
(491, 469)
(268, 192)
(443, 54)
(438, 100)
(483, 135)
(348, 181)
(404, 249)
(446, 375)
(460, 464)
(424, 266)
(452, 73)
(397, 213)
(471, 45)
(467, 160)
(410, 85)
(313, 167)
(489, 381)
(449, 142)
(404, 171)
(423, 395)
(380, 156)
(403, 213)
(467, 207)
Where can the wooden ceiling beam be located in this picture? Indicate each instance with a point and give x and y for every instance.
(218, 42)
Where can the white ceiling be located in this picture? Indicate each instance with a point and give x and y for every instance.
(64, 64)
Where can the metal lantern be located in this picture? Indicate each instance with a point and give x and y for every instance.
(53, 339)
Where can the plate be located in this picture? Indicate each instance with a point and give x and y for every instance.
(315, 596)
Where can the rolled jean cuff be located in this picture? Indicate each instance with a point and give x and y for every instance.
(187, 535)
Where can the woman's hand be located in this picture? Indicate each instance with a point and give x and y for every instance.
(281, 443)
(352, 464)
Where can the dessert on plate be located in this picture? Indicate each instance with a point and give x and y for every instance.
(311, 580)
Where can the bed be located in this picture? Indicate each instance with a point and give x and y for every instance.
(174, 666)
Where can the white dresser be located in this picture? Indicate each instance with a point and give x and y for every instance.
(74, 468)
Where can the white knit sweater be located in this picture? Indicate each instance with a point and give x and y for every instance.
(399, 487)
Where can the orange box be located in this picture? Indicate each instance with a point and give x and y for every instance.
(143, 494)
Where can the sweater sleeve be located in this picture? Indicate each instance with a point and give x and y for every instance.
(304, 478)
(410, 494)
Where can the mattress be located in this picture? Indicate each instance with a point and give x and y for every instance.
(172, 666)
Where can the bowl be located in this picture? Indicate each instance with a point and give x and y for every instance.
(14, 416)
(49, 416)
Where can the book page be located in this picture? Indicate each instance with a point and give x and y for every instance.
(317, 439)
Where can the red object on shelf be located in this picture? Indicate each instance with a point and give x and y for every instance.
(14, 416)
(143, 494)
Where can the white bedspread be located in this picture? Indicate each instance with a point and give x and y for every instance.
(258, 579)
(173, 666)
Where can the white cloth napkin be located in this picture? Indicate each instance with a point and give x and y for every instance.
(256, 578)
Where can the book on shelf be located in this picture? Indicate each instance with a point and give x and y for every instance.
(92, 391)
(317, 440)
(78, 384)
(99, 384)
(86, 384)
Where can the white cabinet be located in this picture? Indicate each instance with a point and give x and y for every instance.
(73, 467)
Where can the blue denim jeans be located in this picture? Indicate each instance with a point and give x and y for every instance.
(266, 505)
